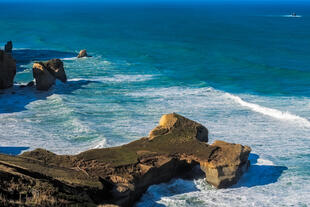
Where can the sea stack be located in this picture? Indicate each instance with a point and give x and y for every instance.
(7, 70)
(8, 47)
(120, 175)
(45, 73)
(82, 53)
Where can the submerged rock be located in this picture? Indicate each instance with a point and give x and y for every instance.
(8, 47)
(82, 53)
(7, 70)
(30, 84)
(45, 73)
(120, 175)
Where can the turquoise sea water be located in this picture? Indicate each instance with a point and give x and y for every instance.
(241, 70)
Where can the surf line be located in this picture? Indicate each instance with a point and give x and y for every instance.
(269, 111)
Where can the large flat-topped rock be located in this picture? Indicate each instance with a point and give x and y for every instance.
(120, 175)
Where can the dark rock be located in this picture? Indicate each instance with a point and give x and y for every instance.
(7, 70)
(8, 47)
(56, 68)
(120, 175)
(30, 84)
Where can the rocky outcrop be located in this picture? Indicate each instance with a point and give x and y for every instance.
(227, 164)
(44, 79)
(56, 68)
(120, 175)
(45, 73)
(82, 53)
(173, 122)
(7, 70)
(8, 47)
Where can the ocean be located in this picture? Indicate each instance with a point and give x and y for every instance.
(240, 69)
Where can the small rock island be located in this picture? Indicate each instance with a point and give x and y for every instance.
(120, 175)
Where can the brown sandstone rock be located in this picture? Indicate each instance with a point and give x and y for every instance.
(171, 122)
(7, 70)
(227, 164)
(82, 53)
(44, 79)
(45, 73)
(120, 175)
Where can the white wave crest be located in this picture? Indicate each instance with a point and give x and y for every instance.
(291, 16)
(264, 162)
(269, 111)
(101, 144)
(70, 58)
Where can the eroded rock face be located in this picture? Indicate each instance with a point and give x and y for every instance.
(8, 47)
(7, 70)
(82, 53)
(227, 164)
(44, 79)
(56, 68)
(45, 73)
(120, 175)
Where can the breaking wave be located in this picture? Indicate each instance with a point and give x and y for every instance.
(270, 111)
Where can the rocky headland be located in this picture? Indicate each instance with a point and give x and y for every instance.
(120, 175)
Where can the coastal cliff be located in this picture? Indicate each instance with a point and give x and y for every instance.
(120, 175)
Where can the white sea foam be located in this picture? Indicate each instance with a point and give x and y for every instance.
(101, 144)
(261, 161)
(21, 48)
(117, 78)
(285, 16)
(70, 58)
(291, 16)
(270, 111)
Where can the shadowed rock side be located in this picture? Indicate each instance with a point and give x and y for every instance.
(45, 73)
(120, 175)
(7, 70)
(8, 47)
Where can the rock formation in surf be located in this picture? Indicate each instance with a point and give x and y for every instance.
(82, 53)
(120, 175)
(45, 73)
(7, 70)
(8, 47)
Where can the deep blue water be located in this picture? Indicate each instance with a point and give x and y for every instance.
(243, 70)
